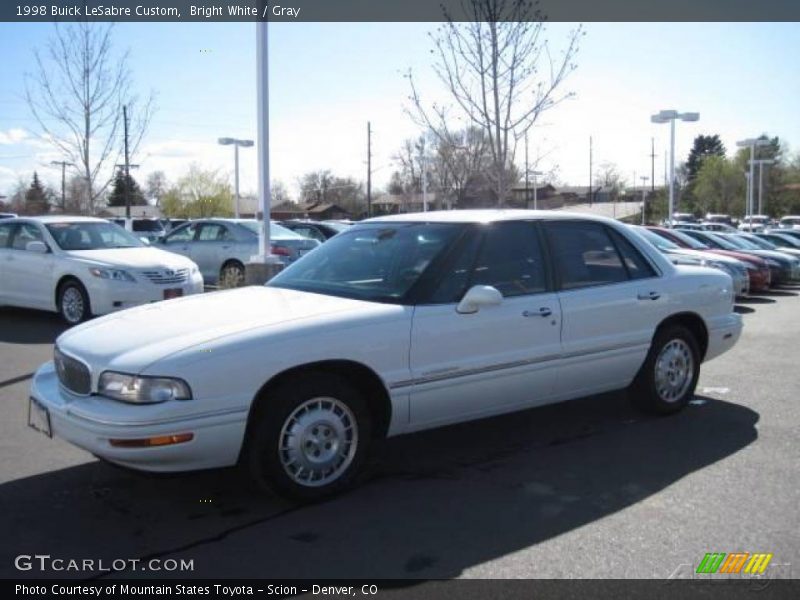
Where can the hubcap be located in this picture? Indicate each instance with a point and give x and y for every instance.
(72, 305)
(318, 441)
(232, 277)
(674, 370)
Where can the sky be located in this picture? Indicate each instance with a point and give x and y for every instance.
(327, 80)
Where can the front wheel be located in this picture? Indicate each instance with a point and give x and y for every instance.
(668, 377)
(310, 439)
(73, 302)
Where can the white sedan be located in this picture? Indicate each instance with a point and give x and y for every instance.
(82, 266)
(398, 324)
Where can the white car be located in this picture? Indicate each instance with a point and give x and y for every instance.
(81, 266)
(396, 325)
(754, 223)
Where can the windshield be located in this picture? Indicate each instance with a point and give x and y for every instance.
(693, 243)
(378, 262)
(786, 241)
(725, 242)
(655, 239)
(90, 235)
(759, 242)
(276, 232)
(148, 225)
(340, 227)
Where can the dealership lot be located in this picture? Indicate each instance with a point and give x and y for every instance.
(590, 488)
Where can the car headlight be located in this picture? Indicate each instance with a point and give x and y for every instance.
(112, 274)
(141, 389)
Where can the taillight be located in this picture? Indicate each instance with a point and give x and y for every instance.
(281, 251)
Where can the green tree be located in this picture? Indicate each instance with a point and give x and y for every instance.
(36, 197)
(720, 186)
(199, 194)
(117, 195)
(704, 146)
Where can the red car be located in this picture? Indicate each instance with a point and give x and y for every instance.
(760, 277)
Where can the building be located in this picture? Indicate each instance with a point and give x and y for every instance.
(318, 211)
(147, 211)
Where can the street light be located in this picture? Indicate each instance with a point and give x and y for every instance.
(670, 116)
(535, 197)
(226, 141)
(761, 162)
(751, 143)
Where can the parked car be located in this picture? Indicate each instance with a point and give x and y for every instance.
(718, 227)
(793, 233)
(81, 266)
(222, 247)
(718, 218)
(781, 238)
(782, 267)
(145, 229)
(754, 223)
(315, 230)
(686, 256)
(8, 215)
(789, 262)
(787, 248)
(758, 270)
(789, 222)
(399, 324)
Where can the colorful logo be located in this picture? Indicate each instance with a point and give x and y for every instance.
(736, 562)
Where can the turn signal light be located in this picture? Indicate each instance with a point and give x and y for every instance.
(161, 440)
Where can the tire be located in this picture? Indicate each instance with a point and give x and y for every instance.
(73, 302)
(231, 275)
(667, 379)
(311, 438)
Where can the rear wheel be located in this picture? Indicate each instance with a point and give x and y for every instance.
(73, 302)
(231, 275)
(311, 438)
(668, 377)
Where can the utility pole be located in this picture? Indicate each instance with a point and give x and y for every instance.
(127, 164)
(644, 196)
(527, 200)
(423, 169)
(63, 164)
(369, 169)
(590, 170)
(653, 164)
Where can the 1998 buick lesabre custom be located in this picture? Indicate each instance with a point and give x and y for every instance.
(399, 324)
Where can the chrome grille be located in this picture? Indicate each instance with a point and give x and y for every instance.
(73, 374)
(167, 276)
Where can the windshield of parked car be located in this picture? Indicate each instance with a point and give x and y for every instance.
(785, 241)
(655, 239)
(276, 232)
(741, 243)
(378, 262)
(92, 235)
(690, 241)
(340, 227)
(147, 225)
(725, 242)
(759, 242)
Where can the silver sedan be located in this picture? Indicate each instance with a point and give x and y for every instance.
(221, 247)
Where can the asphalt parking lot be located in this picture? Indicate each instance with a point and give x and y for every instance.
(589, 488)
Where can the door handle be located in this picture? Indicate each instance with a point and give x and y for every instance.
(648, 295)
(542, 312)
(225, 247)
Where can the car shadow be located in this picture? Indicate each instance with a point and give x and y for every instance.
(22, 326)
(743, 310)
(434, 505)
(756, 300)
(781, 293)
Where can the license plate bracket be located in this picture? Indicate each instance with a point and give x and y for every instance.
(173, 293)
(39, 417)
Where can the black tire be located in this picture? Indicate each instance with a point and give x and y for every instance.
(673, 394)
(231, 275)
(73, 302)
(269, 446)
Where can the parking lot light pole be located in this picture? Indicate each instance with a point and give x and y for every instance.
(761, 162)
(751, 143)
(644, 194)
(670, 116)
(535, 196)
(226, 141)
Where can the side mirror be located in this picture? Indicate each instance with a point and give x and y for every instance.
(146, 240)
(36, 247)
(479, 296)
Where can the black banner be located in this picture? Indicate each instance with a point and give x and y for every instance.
(391, 10)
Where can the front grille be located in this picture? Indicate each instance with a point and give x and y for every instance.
(73, 374)
(167, 276)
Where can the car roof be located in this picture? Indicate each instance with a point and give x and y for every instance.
(44, 219)
(485, 216)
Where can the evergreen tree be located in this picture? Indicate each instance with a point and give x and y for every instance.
(36, 197)
(117, 195)
(704, 146)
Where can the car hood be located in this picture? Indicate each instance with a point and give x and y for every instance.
(131, 258)
(703, 255)
(133, 339)
(743, 256)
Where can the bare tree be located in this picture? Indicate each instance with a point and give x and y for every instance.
(501, 75)
(77, 95)
(609, 178)
(156, 186)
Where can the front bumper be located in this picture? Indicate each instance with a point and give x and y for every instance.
(109, 296)
(723, 333)
(90, 422)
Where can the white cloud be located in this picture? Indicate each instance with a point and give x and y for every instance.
(14, 135)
